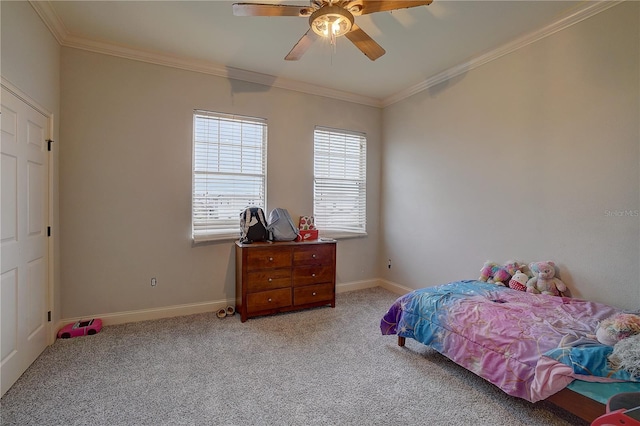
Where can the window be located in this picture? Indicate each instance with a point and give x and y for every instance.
(229, 164)
(340, 182)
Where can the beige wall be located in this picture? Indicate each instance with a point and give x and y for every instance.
(520, 158)
(125, 174)
(30, 61)
(534, 156)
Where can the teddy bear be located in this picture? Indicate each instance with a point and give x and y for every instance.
(519, 281)
(617, 327)
(544, 280)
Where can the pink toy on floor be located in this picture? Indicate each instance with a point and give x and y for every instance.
(80, 328)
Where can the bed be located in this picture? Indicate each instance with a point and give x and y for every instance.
(534, 347)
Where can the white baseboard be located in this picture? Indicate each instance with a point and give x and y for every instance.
(393, 287)
(154, 313)
(214, 306)
(357, 285)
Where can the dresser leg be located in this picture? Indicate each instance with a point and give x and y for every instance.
(401, 340)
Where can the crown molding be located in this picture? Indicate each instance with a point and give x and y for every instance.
(61, 33)
(590, 9)
(211, 68)
(51, 19)
(53, 22)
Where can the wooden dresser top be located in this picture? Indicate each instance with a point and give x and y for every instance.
(285, 243)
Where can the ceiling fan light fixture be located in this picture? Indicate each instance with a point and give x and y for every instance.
(331, 21)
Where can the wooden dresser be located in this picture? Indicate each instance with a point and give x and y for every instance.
(284, 276)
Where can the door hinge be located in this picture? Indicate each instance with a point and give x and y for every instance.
(48, 231)
(49, 316)
(49, 142)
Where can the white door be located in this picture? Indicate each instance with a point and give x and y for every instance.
(24, 174)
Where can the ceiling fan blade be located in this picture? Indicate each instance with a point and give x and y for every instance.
(366, 44)
(372, 6)
(258, 9)
(301, 46)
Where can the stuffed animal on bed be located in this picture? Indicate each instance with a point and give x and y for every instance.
(519, 281)
(487, 271)
(626, 355)
(502, 276)
(617, 327)
(544, 280)
(512, 266)
(494, 273)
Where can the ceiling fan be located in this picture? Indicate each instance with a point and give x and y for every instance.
(330, 19)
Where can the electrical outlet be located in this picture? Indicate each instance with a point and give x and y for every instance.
(154, 282)
(389, 264)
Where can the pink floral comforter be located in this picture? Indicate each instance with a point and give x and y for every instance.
(498, 333)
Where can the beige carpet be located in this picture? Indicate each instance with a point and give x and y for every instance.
(319, 367)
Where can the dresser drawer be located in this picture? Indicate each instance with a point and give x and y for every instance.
(265, 300)
(313, 293)
(314, 254)
(261, 258)
(306, 275)
(268, 279)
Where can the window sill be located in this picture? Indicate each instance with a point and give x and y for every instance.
(202, 240)
(342, 235)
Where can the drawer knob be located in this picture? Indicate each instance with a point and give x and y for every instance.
(313, 294)
(269, 300)
(313, 255)
(271, 259)
(313, 275)
(270, 279)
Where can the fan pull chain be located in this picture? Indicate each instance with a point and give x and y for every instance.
(334, 45)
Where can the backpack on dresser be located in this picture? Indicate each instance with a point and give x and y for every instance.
(281, 227)
(253, 225)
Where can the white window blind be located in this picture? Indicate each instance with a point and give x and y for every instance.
(229, 164)
(340, 183)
